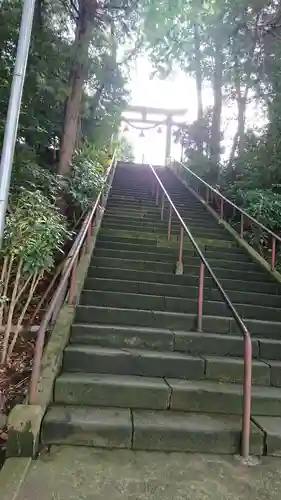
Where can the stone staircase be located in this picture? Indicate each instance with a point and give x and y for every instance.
(136, 374)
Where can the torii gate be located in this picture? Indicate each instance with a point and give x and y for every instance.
(144, 118)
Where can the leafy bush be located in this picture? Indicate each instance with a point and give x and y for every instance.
(264, 205)
(28, 174)
(34, 232)
(86, 178)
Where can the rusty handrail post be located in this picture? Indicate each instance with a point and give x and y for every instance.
(157, 194)
(247, 396)
(242, 226)
(200, 298)
(170, 222)
(179, 267)
(221, 208)
(89, 236)
(273, 254)
(72, 282)
(207, 195)
(162, 205)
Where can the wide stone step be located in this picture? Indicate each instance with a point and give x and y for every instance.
(194, 343)
(180, 280)
(174, 321)
(182, 291)
(218, 261)
(152, 363)
(143, 362)
(236, 254)
(146, 430)
(170, 268)
(175, 304)
(202, 241)
(150, 302)
(122, 391)
(161, 228)
(152, 239)
(127, 391)
(87, 426)
(134, 217)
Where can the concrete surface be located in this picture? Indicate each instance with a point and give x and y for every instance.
(89, 474)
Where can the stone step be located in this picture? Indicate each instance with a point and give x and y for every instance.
(194, 343)
(152, 363)
(134, 217)
(142, 362)
(146, 430)
(153, 214)
(87, 426)
(213, 397)
(150, 302)
(175, 304)
(153, 240)
(179, 280)
(202, 242)
(183, 291)
(122, 391)
(236, 254)
(163, 339)
(174, 321)
(161, 228)
(165, 258)
(169, 268)
(128, 391)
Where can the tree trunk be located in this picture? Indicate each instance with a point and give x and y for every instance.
(77, 81)
(198, 78)
(217, 109)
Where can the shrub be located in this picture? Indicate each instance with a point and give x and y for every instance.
(34, 232)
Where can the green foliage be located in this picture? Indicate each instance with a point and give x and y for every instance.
(263, 205)
(28, 174)
(125, 150)
(86, 178)
(34, 231)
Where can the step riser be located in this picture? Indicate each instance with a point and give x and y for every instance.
(161, 238)
(170, 268)
(161, 228)
(178, 291)
(151, 217)
(129, 363)
(106, 245)
(129, 238)
(174, 304)
(194, 343)
(154, 431)
(161, 397)
(165, 258)
(184, 322)
(154, 364)
(153, 277)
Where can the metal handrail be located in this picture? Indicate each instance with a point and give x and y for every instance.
(243, 213)
(69, 271)
(247, 337)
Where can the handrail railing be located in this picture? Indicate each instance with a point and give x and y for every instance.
(247, 385)
(244, 214)
(69, 271)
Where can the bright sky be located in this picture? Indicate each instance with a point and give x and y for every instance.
(178, 92)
